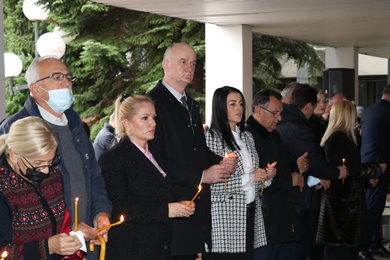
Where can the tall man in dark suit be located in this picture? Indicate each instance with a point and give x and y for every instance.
(376, 148)
(180, 141)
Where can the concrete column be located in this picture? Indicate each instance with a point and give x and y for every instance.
(338, 60)
(2, 75)
(228, 61)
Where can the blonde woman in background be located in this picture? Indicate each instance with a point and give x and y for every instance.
(343, 210)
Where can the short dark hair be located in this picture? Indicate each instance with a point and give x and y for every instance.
(262, 97)
(219, 117)
(303, 94)
(386, 90)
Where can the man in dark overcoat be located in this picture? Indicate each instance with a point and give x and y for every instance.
(180, 141)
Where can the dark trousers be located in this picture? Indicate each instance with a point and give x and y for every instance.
(316, 251)
(340, 253)
(283, 251)
(302, 247)
(250, 230)
(376, 201)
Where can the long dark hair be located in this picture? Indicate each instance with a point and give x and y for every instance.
(219, 117)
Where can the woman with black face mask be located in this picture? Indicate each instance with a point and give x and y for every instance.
(33, 217)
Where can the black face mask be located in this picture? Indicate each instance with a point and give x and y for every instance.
(34, 175)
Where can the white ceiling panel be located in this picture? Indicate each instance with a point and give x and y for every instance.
(341, 23)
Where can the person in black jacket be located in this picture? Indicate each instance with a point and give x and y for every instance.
(375, 148)
(280, 221)
(298, 138)
(343, 214)
(106, 137)
(180, 141)
(139, 187)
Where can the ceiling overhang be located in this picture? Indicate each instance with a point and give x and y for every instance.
(341, 23)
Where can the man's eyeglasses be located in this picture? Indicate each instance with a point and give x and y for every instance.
(275, 114)
(56, 160)
(58, 76)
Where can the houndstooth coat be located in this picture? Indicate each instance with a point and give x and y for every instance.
(228, 207)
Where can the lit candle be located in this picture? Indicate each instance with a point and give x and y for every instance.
(199, 189)
(227, 155)
(76, 214)
(113, 224)
(342, 181)
(300, 189)
(263, 184)
(4, 255)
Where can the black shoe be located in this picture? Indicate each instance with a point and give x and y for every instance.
(380, 251)
(365, 255)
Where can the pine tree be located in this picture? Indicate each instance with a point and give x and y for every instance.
(120, 51)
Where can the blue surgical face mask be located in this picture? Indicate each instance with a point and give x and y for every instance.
(59, 99)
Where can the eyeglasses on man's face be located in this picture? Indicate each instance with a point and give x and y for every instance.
(275, 114)
(55, 161)
(58, 76)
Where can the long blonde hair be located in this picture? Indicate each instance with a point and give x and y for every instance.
(342, 118)
(29, 137)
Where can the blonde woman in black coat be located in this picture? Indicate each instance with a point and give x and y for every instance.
(139, 187)
(342, 221)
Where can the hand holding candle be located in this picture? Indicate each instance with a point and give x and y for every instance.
(76, 214)
(303, 164)
(4, 255)
(113, 224)
(196, 195)
(342, 181)
(272, 165)
(230, 167)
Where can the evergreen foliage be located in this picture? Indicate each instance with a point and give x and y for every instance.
(120, 51)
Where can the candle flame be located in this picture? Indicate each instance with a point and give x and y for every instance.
(268, 164)
(226, 155)
(199, 187)
(122, 218)
(76, 199)
(4, 254)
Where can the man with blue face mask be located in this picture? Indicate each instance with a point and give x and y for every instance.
(51, 98)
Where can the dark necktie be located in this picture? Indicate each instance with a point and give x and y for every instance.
(184, 101)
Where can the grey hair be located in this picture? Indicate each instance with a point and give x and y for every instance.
(32, 71)
(29, 137)
(288, 90)
(168, 51)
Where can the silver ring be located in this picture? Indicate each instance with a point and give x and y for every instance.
(181, 213)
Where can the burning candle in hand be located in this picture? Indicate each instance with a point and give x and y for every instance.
(76, 214)
(113, 224)
(4, 255)
(263, 184)
(199, 189)
(227, 155)
(343, 165)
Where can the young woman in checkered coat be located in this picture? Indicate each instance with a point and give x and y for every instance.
(237, 221)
